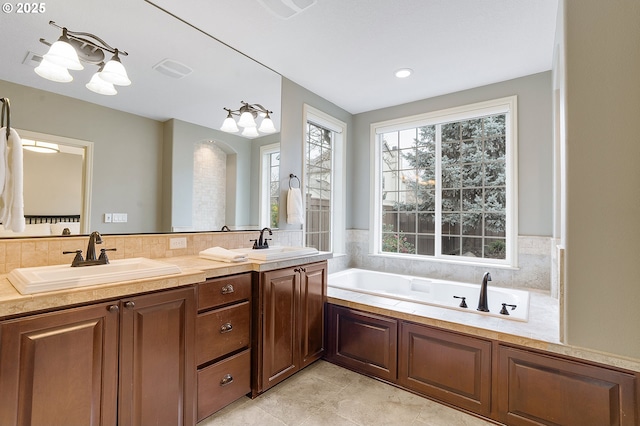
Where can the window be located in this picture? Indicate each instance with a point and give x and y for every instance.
(270, 185)
(445, 185)
(323, 181)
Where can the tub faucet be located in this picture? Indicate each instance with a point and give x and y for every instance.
(262, 243)
(483, 303)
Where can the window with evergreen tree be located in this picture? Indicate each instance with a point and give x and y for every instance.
(443, 188)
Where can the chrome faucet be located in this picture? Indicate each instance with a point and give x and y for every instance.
(262, 243)
(94, 238)
(483, 303)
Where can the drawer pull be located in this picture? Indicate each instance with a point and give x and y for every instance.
(225, 328)
(227, 289)
(226, 380)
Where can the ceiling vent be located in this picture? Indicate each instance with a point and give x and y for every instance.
(286, 9)
(172, 68)
(32, 59)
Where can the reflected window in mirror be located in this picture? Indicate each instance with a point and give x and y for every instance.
(56, 185)
(269, 185)
(323, 183)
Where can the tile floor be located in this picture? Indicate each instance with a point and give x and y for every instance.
(325, 394)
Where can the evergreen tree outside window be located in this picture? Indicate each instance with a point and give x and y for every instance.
(443, 187)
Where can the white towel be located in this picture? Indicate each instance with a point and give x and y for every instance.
(12, 198)
(295, 211)
(223, 255)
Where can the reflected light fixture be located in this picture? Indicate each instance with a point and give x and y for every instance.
(73, 48)
(248, 113)
(39, 146)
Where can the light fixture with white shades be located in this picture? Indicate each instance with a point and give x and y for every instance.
(248, 113)
(73, 48)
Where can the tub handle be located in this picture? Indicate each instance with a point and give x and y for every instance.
(504, 310)
(463, 304)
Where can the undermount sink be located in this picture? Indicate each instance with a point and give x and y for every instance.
(57, 277)
(277, 252)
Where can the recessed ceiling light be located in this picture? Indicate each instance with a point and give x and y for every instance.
(404, 72)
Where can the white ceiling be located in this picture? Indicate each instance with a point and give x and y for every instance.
(343, 50)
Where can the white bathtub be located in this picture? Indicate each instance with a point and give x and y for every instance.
(434, 292)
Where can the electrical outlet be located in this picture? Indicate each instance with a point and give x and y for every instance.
(177, 243)
(107, 218)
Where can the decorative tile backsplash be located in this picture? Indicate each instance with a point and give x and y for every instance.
(28, 252)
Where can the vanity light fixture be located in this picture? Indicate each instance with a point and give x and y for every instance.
(73, 48)
(39, 146)
(248, 113)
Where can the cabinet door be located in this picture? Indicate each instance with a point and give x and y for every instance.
(313, 294)
(60, 368)
(157, 359)
(448, 366)
(280, 344)
(537, 389)
(363, 342)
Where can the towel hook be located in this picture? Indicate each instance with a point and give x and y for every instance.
(291, 177)
(6, 106)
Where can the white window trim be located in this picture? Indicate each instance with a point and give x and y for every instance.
(264, 208)
(496, 106)
(338, 182)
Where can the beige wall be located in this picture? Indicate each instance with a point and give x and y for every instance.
(600, 96)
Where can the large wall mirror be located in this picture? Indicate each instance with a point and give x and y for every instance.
(158, 154)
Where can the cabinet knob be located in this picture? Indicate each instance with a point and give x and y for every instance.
(225, 328)
(227, 289)
(113, 308)
(129, 304)
(226, 380)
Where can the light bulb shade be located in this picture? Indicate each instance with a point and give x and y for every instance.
(53, 72)
(39, 146)
(267, 125)
(114, 72)
(250, 132)
(98, 85)
(246, 120)
(229, 125)
(63, 54)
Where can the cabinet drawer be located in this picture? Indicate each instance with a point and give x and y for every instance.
(222, 331)
(222, 383)
(222, 291)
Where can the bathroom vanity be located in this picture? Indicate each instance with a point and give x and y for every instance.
(161, 350)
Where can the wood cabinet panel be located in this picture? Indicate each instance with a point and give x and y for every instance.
(223, 382)
(60, 368)
(313, 294)
(536, 389)
(281, 354)
(157, 359)
(447, 366)
(224, 291)
(222, 331)
(364, 342)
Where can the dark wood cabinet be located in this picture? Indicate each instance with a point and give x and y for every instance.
(123, 362)
(157, 368)
(223, 339)
(538, 389)
(60, 368)
(290, 322)
(509, 384)
(447, 366)
(363, 342)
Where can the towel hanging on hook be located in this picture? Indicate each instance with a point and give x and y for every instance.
(6, 107)
(291, 177)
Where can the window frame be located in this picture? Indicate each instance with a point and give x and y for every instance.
(264, 190)
(338, 173)
(506, 105)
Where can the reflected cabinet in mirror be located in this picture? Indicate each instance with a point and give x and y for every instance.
(158, 161)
